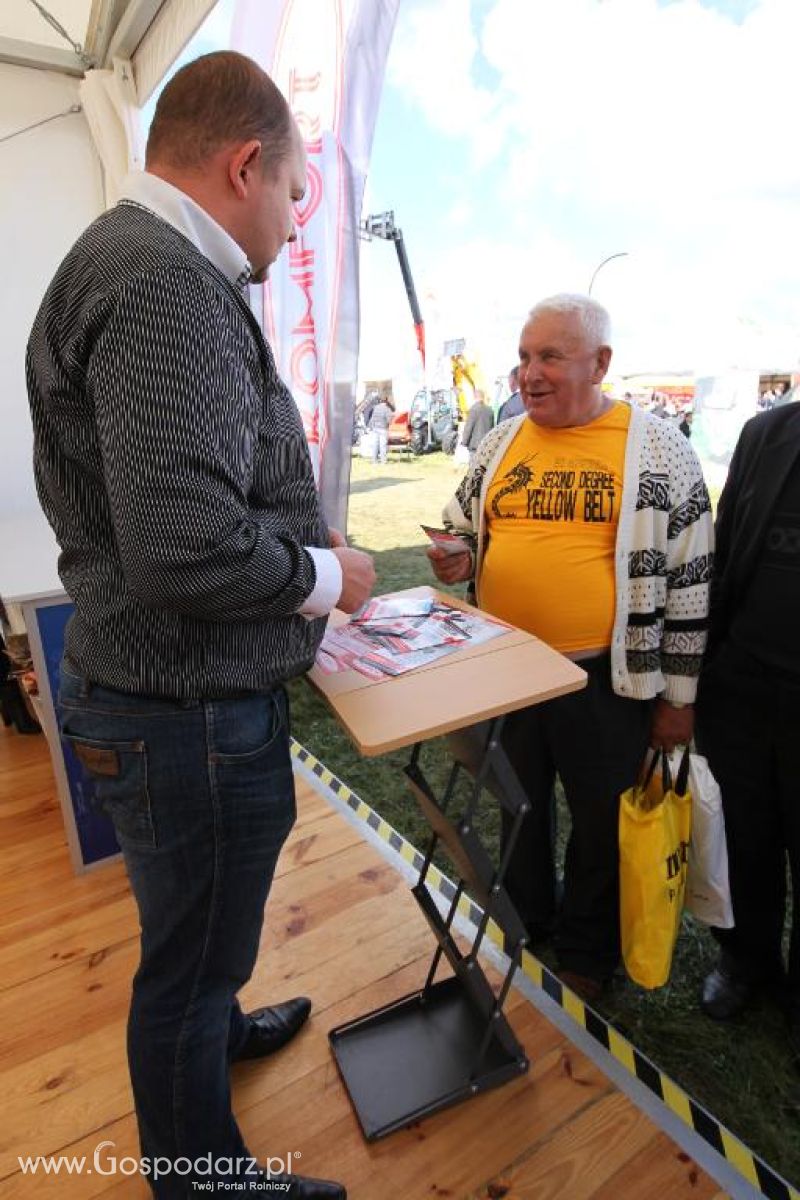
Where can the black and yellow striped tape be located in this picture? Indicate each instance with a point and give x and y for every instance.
(752, 1168)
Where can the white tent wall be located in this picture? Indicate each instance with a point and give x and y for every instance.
(112, 114)
(52, 188)
(175, 25)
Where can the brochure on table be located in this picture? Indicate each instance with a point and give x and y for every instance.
(394, 634)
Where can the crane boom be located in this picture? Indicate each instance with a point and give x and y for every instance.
(382, 225)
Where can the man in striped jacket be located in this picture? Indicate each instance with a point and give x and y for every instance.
(171, 462)
(590, 526)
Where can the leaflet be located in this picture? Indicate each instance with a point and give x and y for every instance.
(445, 539)
(391, 635)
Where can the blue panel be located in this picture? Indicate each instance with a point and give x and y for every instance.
(95, 831)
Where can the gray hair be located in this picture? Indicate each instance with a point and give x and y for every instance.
(594, 320)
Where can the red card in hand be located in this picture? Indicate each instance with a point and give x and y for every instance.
(451, 543)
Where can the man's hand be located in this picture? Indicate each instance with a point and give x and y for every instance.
(358, 577)
(450, 568)
(670, 726)
(336, 538)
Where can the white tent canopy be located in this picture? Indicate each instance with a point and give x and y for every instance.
(150, 34)
(120, 48)
(96, 78)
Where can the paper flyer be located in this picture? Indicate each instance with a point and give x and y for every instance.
(391, 635)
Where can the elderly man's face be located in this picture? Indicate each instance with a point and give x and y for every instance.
(560, 372)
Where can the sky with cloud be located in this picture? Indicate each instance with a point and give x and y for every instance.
(521, 143)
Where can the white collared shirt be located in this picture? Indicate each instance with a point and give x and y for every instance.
(197, 226)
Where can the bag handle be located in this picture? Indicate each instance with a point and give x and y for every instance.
(682, 778)
(649, 771)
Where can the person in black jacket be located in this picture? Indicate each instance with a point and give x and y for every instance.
(748, 708)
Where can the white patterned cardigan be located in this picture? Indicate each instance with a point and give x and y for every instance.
(663, 556)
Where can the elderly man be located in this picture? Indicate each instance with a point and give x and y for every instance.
(748, 712)
(590, 527)
(171, 461)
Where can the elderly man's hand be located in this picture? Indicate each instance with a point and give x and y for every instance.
(336, 538)
(670, 726)
(450, 568)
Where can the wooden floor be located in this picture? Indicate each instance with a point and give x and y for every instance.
(342, 927)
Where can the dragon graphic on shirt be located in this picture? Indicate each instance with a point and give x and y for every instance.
(518, 479)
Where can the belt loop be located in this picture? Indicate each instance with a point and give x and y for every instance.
(82, 682)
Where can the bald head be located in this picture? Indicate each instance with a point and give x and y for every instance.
(224, 135)
(216, 101)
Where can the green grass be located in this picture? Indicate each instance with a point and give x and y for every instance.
(739, 1071)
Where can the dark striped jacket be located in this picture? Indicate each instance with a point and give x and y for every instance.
(171, 462)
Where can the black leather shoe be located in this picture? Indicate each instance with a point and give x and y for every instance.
(271, 1028)
(725, 995)
(300, 1187)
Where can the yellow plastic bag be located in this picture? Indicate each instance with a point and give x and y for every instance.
(655, 821)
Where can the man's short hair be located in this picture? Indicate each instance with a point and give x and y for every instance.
(594, 320)
(215, 101)
(514, 373)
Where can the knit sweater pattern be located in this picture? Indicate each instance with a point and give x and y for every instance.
(663, 556)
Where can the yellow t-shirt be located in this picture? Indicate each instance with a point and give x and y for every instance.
(552, 512)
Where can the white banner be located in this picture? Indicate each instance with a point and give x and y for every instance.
(328, 59)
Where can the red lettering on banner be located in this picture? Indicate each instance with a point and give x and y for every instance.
(309, 127)
(299, 256)
(303, 83)
(305, 353)
(304, 359)
(305, 281)
(309, 124)
(304, 211)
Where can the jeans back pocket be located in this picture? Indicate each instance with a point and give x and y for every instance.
(119, 773)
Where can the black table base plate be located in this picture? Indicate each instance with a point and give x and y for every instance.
(419, 1055)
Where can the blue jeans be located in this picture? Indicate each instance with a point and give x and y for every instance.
(380, 445)
(201, 794)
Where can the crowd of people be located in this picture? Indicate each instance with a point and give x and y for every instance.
(171, 462)
(377, 412)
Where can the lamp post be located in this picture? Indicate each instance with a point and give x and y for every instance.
(621, 254)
